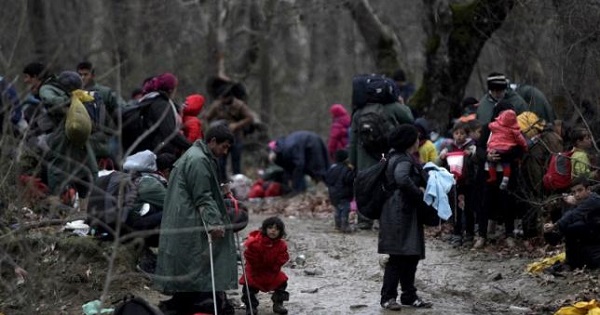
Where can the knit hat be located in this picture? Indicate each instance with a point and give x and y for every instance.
(403, 137)
(70, 80)
(341, 156)
(165, 82)
(496, 82)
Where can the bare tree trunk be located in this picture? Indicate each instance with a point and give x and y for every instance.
(456, 35)
(381, 41)
(36, 14)
(265, 61)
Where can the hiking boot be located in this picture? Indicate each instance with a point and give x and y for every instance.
(479, 242)
(456, 241)
(278, 308)
(147, 262)
(391, 305)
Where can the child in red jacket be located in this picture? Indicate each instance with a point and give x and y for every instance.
(266, 252)
(505, 135)
(192, 127)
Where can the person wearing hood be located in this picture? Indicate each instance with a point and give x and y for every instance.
(338, 134)
(505, 135)
(192, 126)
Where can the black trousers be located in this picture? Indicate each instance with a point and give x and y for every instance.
(188, 303)
(279, 295)
(400, 269)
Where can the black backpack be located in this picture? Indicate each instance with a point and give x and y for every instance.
(372, 128)
(135, 305)
(133, 120)
(372, 88)
(103, 205)
(371, 189)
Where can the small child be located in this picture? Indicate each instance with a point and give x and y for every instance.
(192, 126)
(266, 252)
(505, 135)
(580, 162)
(340, 181)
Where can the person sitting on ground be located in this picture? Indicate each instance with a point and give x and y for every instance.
(340, 182)
(192, 126)
(579, 226)
(266, 253)
(505, 135)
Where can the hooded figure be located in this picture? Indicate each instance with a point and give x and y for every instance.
(338, 135)
(192, 126)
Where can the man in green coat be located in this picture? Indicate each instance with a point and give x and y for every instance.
(498, 90)
(194, 201)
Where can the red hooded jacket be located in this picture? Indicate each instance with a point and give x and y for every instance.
(264, 259)
(338, 135)
(506, 133)
(192, 126)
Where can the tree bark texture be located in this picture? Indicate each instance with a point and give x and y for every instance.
(456, 35)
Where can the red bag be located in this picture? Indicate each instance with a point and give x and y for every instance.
(558, 172)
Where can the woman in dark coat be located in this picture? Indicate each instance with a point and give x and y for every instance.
(401, 233)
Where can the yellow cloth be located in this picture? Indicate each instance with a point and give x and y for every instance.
(427, 152)
(580, 308)
(539, 266)
(530, 124)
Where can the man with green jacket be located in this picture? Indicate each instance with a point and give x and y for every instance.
(193, 208)
(497, 85)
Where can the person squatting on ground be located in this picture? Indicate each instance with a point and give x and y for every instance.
(265, 253)
(194, 201)
(580, 226)
(340, 182)
(401, 232)
(505, 135)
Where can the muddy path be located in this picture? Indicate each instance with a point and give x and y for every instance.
(341, 274)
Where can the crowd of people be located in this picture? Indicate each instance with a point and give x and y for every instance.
(175, 157)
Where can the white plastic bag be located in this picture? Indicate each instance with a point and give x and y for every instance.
(144, 161)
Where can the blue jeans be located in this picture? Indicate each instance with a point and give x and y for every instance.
(342, 212)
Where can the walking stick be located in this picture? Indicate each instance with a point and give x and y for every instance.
(212, 267)
(237, 240)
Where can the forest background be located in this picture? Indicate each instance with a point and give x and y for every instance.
(296, 58)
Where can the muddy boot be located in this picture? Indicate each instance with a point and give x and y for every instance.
(279, 296)
(479, 243)
(345, 226)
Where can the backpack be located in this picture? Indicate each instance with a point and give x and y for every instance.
(372, 128)
(371, 189)
(103, 204)
(135, 305)
(372, 88)
(133, 122)
(558, 172)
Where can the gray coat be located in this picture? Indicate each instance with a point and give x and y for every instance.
(400, 232)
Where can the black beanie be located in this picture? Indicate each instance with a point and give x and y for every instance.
(403, 137)
(496, 81)
(70, 80)
(341, 156)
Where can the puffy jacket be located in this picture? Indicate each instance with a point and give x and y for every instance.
(264, 259)
(506, 133)
(338, 135)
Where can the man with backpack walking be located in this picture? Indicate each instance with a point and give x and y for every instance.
(376, 113)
